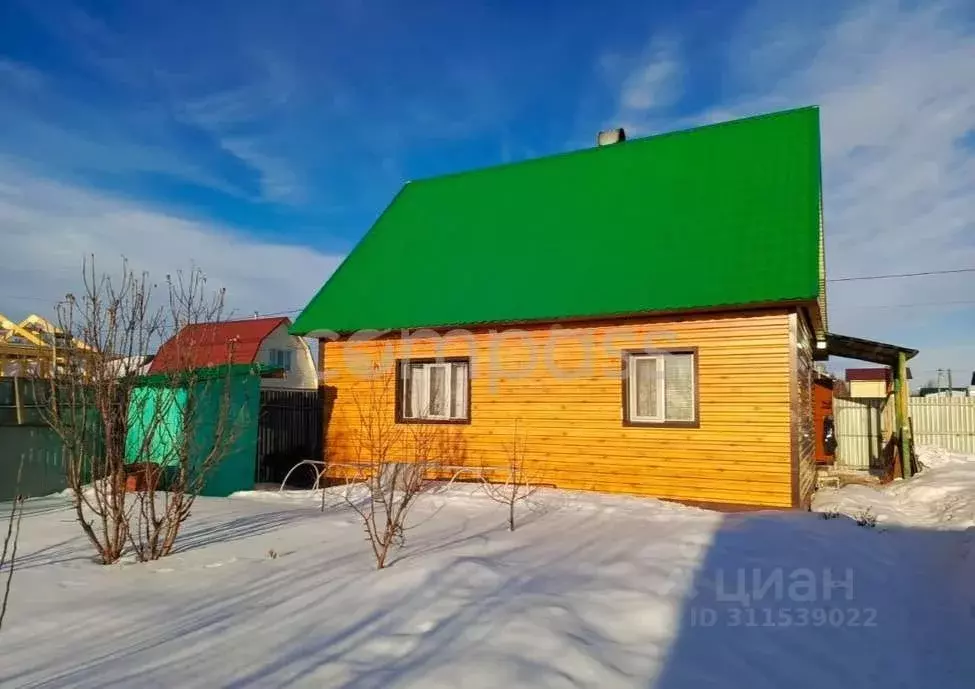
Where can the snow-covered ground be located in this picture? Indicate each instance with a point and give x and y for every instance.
(590, 591)
(942, 496)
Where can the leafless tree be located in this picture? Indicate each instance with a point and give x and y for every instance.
(126, 436)
(8, 556)
(517, 485)
(396, 464)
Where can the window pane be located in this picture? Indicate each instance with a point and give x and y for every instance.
(407, 401)
(438, 390)
(458, 400)
(644, 378)
(417, 380)
(679, 387)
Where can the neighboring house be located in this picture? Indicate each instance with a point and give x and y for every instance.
(31, 346)
(872, 383)
(249, 341)
(135, 365)
(641, 316)
(946, 392)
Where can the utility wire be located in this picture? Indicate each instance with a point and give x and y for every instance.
(902, 275)
(890, 276)
(910, 306)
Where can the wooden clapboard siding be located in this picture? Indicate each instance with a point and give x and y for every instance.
(561, 388)
(803, 429)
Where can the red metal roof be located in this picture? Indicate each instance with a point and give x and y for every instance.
(214, 344)
(868, 374)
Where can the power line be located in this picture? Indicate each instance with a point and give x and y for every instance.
(960, 302)
(902, 275)
(890, 276)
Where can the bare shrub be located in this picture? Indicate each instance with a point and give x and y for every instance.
(8, 556)
(167, 493)
(866, 518)
(99, 395)
(517, 485)
(396, 464)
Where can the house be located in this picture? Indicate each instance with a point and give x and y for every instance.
(642, 316)
(248, 341)
(873, 383)
(134, 365)
(946, 392)
(31, 346)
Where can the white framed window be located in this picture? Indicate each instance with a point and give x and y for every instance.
(660, 388)
(281, 358)
(433, 390)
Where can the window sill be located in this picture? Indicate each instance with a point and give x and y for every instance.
(443, 422)
(662, 424)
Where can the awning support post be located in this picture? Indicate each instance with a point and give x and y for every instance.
(903, 423)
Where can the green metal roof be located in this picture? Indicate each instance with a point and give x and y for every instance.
(720, 215)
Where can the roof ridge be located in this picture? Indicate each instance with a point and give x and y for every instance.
(602, 149)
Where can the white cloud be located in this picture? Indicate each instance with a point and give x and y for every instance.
(654, 83)
(648, 83)
(20, 76)
(48, 229)
(239, 117)
(279, 182)
(55, 131)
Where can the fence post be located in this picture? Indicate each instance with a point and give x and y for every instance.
(902, 415)
(18, 402)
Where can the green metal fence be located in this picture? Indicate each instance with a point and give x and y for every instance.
(30, 448)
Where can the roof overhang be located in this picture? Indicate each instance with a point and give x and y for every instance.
(866, 350)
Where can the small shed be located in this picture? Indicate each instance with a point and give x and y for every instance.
(873, 383)
(200, 414)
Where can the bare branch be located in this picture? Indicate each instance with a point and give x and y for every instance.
(134, 461)
(517, 486)
(398, 464)
(8, 556)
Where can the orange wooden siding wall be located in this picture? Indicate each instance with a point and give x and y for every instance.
(561, 389)
(804, 432)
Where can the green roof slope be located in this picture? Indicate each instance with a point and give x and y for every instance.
(720, 215)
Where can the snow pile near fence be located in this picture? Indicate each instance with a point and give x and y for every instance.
(940, 496)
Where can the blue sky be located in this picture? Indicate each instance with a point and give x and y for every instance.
(261, 139)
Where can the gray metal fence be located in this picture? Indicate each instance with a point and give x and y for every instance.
(859, 436)
(947, 422)
(28, 447)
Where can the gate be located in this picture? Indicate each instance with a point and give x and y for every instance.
(289, 430)
(860, 438)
